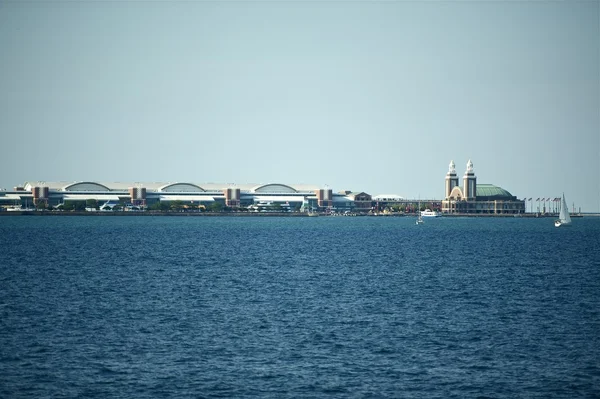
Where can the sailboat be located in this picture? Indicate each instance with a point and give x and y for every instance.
(564, 219)
(419, 217)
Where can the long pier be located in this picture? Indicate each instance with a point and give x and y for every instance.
(268, 214)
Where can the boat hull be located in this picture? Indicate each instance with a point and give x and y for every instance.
(558, 223)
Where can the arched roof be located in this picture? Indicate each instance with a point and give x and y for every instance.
(456, 193)
(274, 188)
(85, 186)
(181, 187)
(491, 191)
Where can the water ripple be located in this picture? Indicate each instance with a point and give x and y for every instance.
(287, 308)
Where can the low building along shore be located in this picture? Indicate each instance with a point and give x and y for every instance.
(472, 198)
(252, 197)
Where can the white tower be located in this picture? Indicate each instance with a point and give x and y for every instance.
(451, 179)
(469, 183)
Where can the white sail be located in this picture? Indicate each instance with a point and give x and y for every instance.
(564, 216)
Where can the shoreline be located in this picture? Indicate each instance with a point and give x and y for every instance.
(271, 214)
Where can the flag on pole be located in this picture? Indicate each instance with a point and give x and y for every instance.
(537, 199)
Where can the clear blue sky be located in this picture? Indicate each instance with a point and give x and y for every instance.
(374, 96)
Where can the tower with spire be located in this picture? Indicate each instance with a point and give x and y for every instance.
(470, 183)
(451, 179)
(477, 198)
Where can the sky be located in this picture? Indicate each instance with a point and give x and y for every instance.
(373, 96)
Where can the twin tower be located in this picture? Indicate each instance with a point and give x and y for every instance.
(453, 191)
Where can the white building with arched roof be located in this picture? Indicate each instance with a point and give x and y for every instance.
(149, 193)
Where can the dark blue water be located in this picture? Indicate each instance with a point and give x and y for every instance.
(274, 307)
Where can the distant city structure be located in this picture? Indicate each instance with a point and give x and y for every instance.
(471, 198)
(477, 198)
(255, 197)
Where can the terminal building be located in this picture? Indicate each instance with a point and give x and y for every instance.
(477, 198)
(142, 195)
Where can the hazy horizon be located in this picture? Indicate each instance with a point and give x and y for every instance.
(365, 96)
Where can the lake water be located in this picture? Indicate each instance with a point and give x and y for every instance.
(276, 307)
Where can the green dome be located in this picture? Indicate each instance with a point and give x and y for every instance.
(492, 192)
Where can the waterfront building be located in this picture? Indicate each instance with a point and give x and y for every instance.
(363, 202)
(140, 195)
(470, 198)
(477, 198)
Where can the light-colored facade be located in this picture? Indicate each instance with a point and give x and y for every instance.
(471, 198)
(142, 195)
(477, 198)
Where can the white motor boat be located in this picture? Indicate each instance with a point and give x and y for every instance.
(428, 213)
